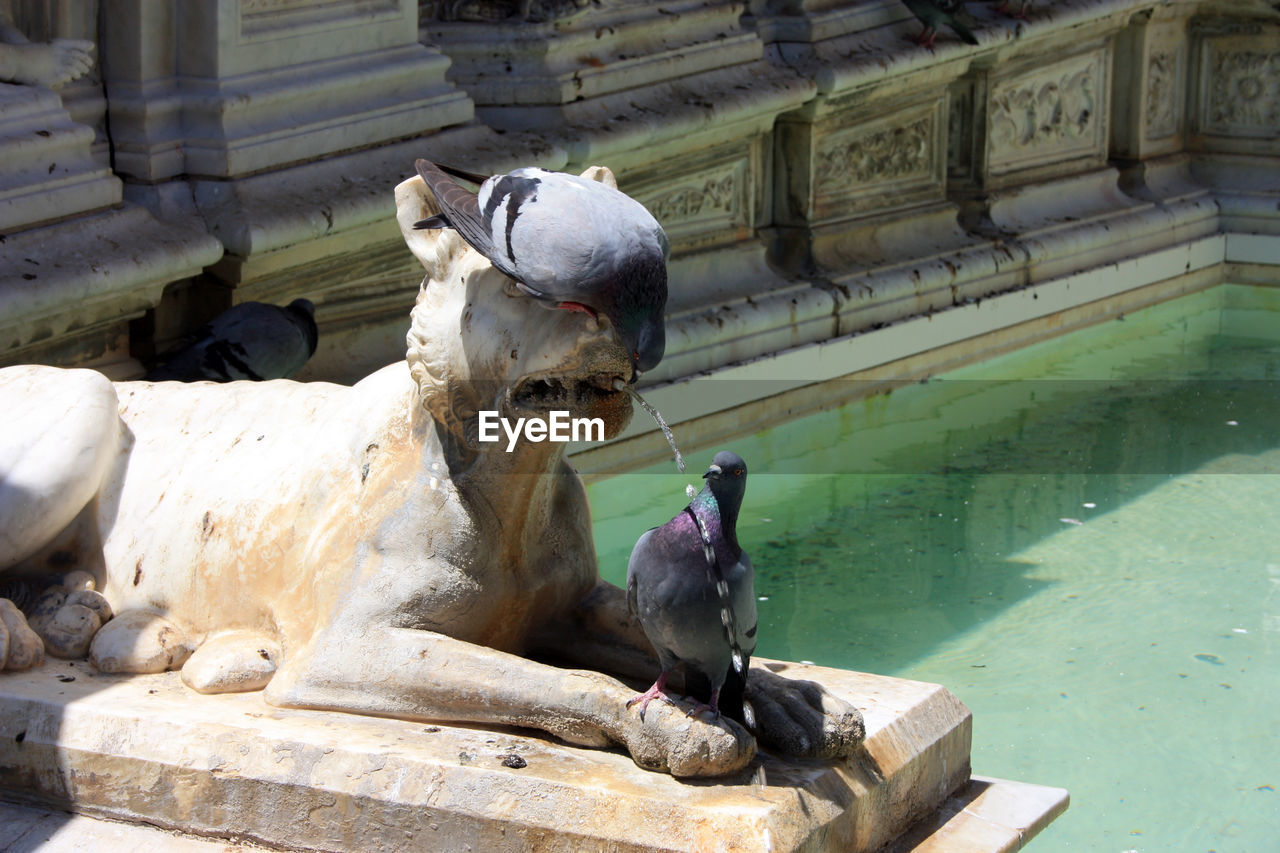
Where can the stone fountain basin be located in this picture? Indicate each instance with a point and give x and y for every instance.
(147, 749)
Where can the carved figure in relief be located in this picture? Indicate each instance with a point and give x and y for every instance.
(29, 63)
(1244, 91)
(1163, 72)
(356, 548)
(885, 154)
(1045, 112)
(499, 11)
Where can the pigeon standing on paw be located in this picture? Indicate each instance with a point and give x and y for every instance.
(567, 241)
(935, 13)
(252, 340)
(692, 588)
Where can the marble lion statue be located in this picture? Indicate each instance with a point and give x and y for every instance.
(357, 548)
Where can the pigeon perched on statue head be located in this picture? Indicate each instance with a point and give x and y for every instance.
(568, 241)
(252, 340)
(935, 13)
(691, 586)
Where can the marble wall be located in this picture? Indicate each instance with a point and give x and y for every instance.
(818, 173)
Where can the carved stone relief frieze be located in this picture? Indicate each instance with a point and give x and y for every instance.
(1241, 88)
(708, 202)
(1164, 92)
(1052, 114)
(844, 163)
(497, 11)
(715, 193)
(861, 166)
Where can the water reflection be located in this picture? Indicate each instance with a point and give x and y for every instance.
(1086, 558)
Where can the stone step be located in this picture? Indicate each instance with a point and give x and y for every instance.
(49, 170)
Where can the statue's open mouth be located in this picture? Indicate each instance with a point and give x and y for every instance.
(573, 393)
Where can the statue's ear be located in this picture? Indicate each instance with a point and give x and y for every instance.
(414, 202)
(603, 174)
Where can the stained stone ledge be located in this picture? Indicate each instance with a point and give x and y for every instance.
(48, 171)
(146, 749)
(75, 284)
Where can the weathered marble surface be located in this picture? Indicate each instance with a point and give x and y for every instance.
(365, 550)
(145, 748)
(806, 158)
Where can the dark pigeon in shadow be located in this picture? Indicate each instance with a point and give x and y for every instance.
(252, 340)
(935, 13)
(569, 242)
(692, 587)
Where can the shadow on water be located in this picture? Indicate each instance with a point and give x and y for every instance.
(883, 528)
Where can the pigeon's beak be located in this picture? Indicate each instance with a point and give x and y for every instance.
(713, 473)
(651, 344)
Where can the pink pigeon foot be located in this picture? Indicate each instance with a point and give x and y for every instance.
(654, 692)
(926, 37)
(699, 707)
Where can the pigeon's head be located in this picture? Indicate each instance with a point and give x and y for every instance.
(304, 314)
(727, 477)
(639, 300)
(478, 344)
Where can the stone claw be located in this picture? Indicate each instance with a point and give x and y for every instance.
(699, 707)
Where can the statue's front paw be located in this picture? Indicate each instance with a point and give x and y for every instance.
(68, 615)
(800, 718)
(20, 647)
(670, 740)
(139, 641)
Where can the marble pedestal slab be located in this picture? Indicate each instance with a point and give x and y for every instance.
(146, 749)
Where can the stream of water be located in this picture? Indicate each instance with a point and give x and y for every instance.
(1080, 539)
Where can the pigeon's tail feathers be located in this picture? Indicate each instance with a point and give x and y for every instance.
(960, 20)
(462, 174)
(458, 207)
(431, 222)
(733, 697)
(966, 35)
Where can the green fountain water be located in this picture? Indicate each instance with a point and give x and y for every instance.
(1080, 539)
